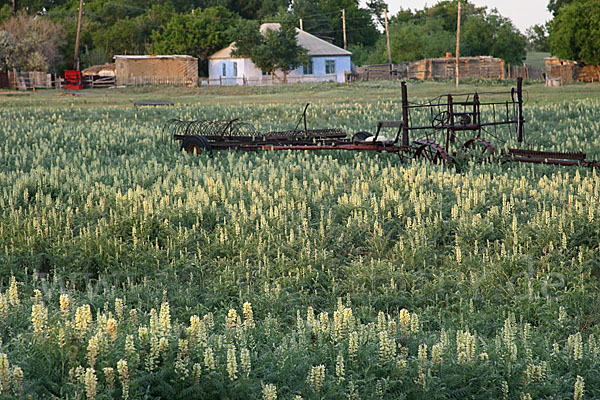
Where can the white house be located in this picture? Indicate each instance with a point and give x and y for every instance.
(327, 63)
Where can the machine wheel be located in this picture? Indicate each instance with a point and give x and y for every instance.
(361, 136)
(478, 149)
(432, 152)
(196, 144)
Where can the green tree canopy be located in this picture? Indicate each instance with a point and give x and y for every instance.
(493, 35)
(8, 51)
(199, 34)
(431, 32)
(275, 50)
(537, 38)
(324, 19)
(37, 40)
(575, 32)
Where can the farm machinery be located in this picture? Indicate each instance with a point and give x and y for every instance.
(449, 128)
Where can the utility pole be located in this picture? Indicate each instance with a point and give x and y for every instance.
(344, 26)
(387, 35)
(76, 62)
(457, 43)
(301, 24)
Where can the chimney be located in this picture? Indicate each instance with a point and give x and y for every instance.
(448, 54)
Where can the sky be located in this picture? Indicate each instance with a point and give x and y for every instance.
(523, 13)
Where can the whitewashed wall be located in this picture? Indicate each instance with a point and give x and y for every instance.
(246, 69)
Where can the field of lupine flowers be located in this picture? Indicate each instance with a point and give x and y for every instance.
(131, 270)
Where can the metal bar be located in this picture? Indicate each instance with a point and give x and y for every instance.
(450, 130)
(547, 154)
(551, 161)
(358, 146)
(404, 114)
(489, 103)
(471, 127)
(520, 110)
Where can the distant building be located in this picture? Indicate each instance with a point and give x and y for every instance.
(483, 67)
(327, 63)
(156, 70)
(100, 70)
(565, 71)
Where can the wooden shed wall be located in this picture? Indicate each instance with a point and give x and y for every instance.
(569, 71)
(444, 68)
(128, 69)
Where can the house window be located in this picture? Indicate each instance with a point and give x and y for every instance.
(224, 69)
(308, 68)
(235, 68)
(330, 66)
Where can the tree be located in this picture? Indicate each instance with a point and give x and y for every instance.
(199, 34)
(555, 5)
(8, 51)
(410, 41)
(37, 40)
(493, 35)
(324, 19)
(274, 50)
(575, 32)
(537, 38)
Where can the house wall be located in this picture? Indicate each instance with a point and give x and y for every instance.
(248, 73)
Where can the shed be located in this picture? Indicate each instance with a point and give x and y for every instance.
(327, 63)
(468, 67)
(100, 70)
(567, 71)
(176, 70)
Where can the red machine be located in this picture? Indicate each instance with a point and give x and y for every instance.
(73, 80)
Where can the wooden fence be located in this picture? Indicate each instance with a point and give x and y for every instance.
(96, 81)
(525, 71)
(158, 80)
(30, 80)
(402, 71)
(265, 80)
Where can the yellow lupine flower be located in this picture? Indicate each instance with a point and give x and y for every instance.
(119, 307)
(92, 351)
(64, 304)
(143, 334)
(90, 383)
(404, 320)
(83, 317)
(209, 359)
(111, 328)
(248, 315)
(17, 380)
(352, 345)
(109, 377)
(245, 360)
(579, 386)
(3, 306)
(13, 292)
(316, 377)
(194, 328)
(269, 392)
(231, 321)
(133, 316)
(165, 319)
(4, 373)
(339, 367)
(124, 377)
(231, 363)
(39, 317)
